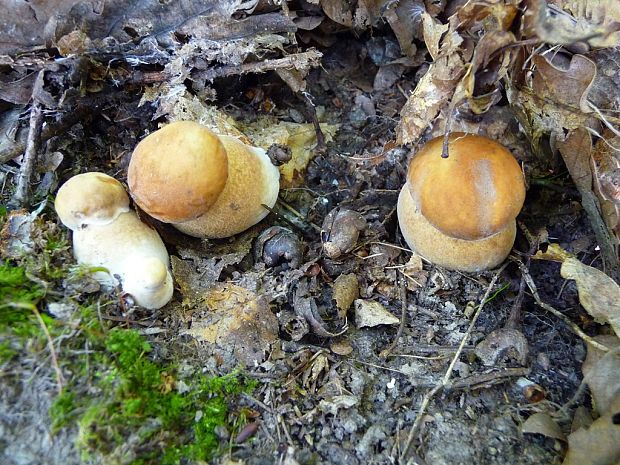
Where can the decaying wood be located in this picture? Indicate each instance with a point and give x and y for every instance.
(22, 188)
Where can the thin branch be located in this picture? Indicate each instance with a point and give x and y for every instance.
(21, 194)
(576, 329)
(302, 60)
(403, 315)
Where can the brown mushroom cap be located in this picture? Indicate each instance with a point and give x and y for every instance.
(253, 181)
(177, 172)
(474, 193)
(90, 198)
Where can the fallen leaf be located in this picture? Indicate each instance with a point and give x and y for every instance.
(501, 343)
(340, 230)
(437, 86)
(341, 347)
(603, 379)
(369, 313)
(599, 444)
(565, 22)
(565, 86)
(542, 423)
(598, 293)
(299, 138)
(346, 290)
(236, 321)
(333, 404)
(606, 167)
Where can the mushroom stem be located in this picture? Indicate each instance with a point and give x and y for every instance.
(451, 252)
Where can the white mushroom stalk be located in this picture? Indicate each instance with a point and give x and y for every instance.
(106, 233)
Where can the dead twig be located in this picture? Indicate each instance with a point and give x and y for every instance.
(22, 188)
(303, 60)
(403, 316)
(445, 381)
(576, 329)
(484, 380)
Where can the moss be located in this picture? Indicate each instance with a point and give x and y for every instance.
(137, 415)
(125, 406)
(16, 287)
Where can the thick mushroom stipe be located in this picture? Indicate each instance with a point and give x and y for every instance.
(106, 234)
(451, 252)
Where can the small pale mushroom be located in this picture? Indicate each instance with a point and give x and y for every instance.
(205, 185)
(106, 233)
(460, 212)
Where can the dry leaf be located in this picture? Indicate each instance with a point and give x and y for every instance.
(501, 343)
(542, 423)
(598, 293)
(333, 404)
(576, 150)
(599, 444)
(606, 167)
(299, 138)
(236, 321)
(603, 378)
(340, 230)
(566, 22)
(437, 86)
(341, 347)
(565, 86)
(346, 290)
(369, 313)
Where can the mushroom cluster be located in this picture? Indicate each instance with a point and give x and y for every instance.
(459, 212)
(205, 185)
(106, 233)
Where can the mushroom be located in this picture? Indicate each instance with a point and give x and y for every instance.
(205, 185)
(459, 212)
(106, 233)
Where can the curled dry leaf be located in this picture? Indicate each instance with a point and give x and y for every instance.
(341, 229)
(598, 293)
(542, 423)
(566, 22)
(346, 290)
(606, 167)
(501, 343)
(565, 86)
(307, 309)
(437, 86)
(236, 322)
(333, 404)
(599, 444)
(601, 373)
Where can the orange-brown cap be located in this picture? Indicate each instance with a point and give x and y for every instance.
(177, 172)
(252, 182)
(90, 198)
(474, 193)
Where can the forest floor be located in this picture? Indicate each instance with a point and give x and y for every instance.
(448, 373)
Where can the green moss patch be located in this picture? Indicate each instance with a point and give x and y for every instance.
(138, 415)
(126, 407)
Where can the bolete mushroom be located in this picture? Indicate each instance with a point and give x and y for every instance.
(459, 212)
(106, 233)
(205, 185)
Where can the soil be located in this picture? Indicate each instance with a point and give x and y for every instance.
(340, 400)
